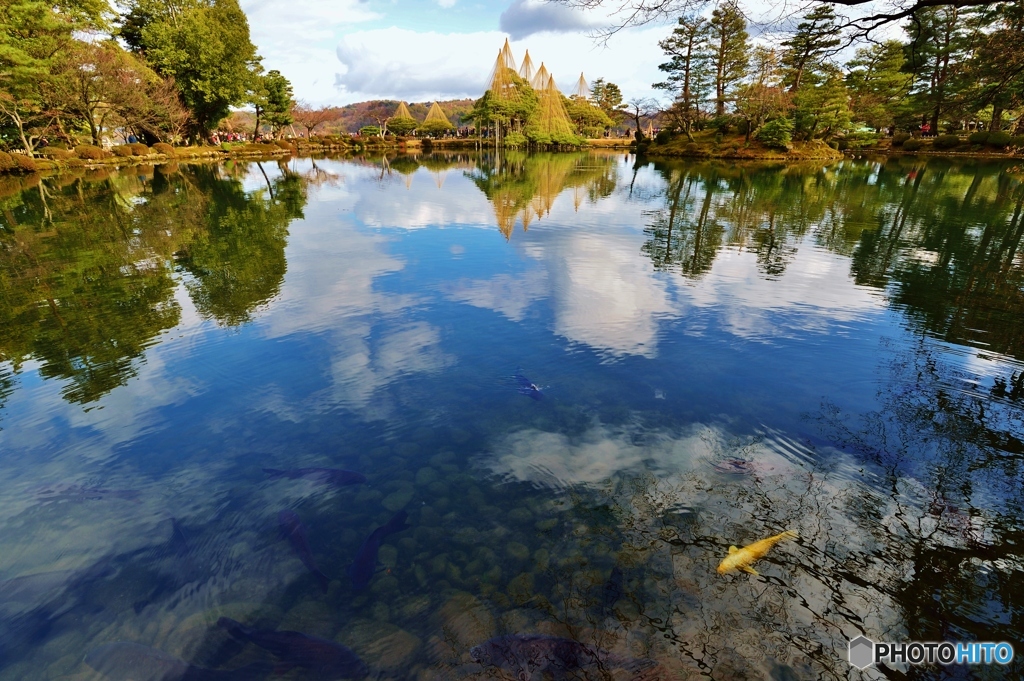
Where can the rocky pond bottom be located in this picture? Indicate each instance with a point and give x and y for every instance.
(467, 417)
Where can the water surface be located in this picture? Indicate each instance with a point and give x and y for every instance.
(719, 353)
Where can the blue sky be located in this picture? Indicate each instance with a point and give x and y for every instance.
(342, 51)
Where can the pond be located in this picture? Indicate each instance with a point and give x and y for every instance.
(564, 386)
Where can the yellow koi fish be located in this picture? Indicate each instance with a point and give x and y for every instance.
(740, 559)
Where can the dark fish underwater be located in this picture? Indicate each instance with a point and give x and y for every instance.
(295, 531)
(365, 563)
(529, 656)
(326, 659)
(528, 387)
(336, 477)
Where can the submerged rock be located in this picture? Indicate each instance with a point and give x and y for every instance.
(516, 550)
(465, 620)
(529, 656)
(382, 646)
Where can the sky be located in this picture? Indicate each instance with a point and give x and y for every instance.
(344, 51)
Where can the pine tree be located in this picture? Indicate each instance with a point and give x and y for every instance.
(935, 55)
(817, 37)
(730, 54)
(878, 85)
(688, 68)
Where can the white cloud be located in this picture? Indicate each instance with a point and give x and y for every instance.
(812, 294)
(602, 453)
(606, 295)
(524, 18)
(298, 38)
(506, 294)
(399, 63)
(446, 3)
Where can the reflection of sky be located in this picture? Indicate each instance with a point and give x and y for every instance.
(401, 318)
(371, 294)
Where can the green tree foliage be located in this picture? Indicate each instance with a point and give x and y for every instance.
(403, 125)
(608, 97)
(688, 70)
(816, 38)
(776, 133)
(33, 33)
(271, 96)
(820, 108)
(763, 97)
(935, 58)
(878, 85)
(730, 53)
(590, 120)
(513, 113)
(995, 69)
(434, 128)
(204, 46)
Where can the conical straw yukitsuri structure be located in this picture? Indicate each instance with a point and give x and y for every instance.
(526, 101)
(526, 69)
(552, 121)
(436, 115)
(582, 90)
(540, 79)
(402, 111)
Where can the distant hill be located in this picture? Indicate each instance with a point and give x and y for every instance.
(351, 117)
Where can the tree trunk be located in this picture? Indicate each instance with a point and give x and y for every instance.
(997, 118)
(720, 79)
(93, 130)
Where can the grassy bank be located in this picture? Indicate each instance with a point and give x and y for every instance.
(60, 159)
(711, 144)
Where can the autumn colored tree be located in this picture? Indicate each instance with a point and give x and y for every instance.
(311, 118)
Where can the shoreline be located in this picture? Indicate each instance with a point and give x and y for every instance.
(818, 151)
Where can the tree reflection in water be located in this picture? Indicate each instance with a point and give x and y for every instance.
(523, 187)
(909, 516)
(88, 267)
(943, 240)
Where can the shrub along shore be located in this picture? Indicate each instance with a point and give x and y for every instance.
(56, 158)
(704, 145)
(710, 144)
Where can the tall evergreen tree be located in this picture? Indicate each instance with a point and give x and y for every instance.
(935, 57)
(995, 69)
(730, 53)
(817, 37)
(688, 68)
(608, 97)
(878, 85)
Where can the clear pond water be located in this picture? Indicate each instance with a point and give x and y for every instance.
(582, 377)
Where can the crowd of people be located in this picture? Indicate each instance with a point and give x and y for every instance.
(218, 137)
